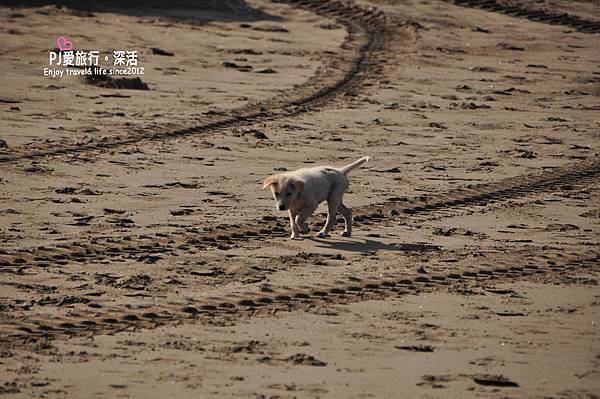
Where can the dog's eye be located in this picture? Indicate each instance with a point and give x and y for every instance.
(288, 194)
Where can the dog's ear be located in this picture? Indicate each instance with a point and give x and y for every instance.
(270, 181)
(300, 185)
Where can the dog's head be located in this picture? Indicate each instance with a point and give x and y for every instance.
(285, 189)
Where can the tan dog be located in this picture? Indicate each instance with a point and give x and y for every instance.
(301, 191)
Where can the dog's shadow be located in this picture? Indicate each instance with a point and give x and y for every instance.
(369, 245)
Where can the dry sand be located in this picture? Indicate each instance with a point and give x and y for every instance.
(139, 256)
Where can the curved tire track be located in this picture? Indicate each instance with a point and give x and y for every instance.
(149, 248)
(572, 21)
(338, 77)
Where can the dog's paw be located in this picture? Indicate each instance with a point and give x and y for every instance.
(322, 234)
(345, 234)
(294, 237)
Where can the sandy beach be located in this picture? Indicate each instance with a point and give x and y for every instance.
(140, 257)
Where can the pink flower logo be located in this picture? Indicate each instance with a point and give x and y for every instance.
(64, 44)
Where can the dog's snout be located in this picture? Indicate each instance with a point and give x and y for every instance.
(282, 207)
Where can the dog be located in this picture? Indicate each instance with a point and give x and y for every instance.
(301, 191)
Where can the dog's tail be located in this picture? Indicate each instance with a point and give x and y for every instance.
(346, 169)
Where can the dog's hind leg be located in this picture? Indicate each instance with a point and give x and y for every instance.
(347, 215)
(333, 204)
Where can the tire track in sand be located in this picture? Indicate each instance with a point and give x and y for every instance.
(191, 240)
(20, 330)
(536, 15)
(369, 32)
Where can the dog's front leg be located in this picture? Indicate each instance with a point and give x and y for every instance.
(294, 226)
(302, 218)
